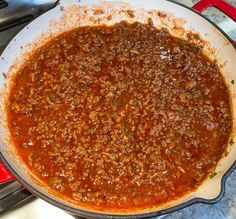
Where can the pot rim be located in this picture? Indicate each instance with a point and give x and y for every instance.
(85, 213)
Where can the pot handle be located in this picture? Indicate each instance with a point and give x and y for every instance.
(4, 174)
(222, 5)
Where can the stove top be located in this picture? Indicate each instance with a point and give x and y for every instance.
(15, 201)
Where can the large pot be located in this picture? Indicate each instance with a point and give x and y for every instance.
(69, 14)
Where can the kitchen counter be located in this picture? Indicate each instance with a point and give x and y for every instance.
(224, 209)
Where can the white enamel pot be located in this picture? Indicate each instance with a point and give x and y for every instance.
(67, 15)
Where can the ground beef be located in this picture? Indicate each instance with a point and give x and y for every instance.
(120, 117)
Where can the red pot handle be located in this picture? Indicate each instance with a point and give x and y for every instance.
(222, 5)
(4, 174)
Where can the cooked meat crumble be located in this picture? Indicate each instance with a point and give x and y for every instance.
(120, 117)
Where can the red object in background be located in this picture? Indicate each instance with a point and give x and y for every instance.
(222, 5)
(4, 174)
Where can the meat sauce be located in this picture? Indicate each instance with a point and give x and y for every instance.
(121, 117)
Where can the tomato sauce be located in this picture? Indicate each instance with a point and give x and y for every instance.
(121, 117)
